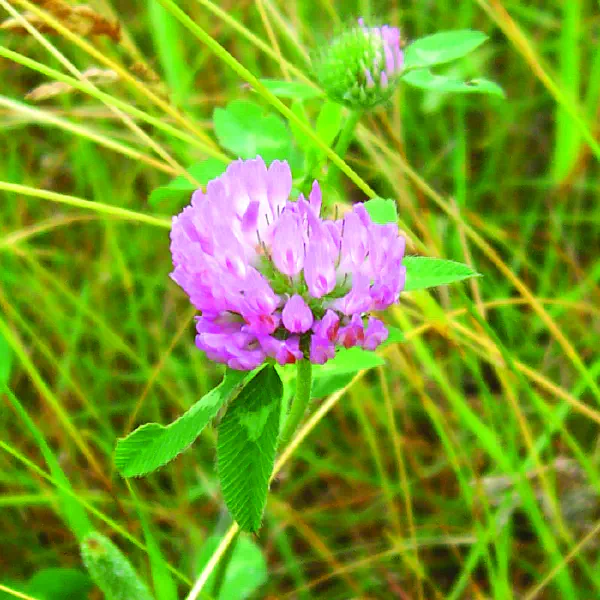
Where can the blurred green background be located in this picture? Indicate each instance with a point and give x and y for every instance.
(468, 466)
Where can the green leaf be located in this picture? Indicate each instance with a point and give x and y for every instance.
(302, 139)
(382, 211)
(426, 80)
(424, 272)
(337, 372)
(244, 129)
(246, 447)
(329, 122)
(111, 571)
(181, 188)
(59, 584)
(246, 572)
(291, 89)
(442, 47)
(152, 445)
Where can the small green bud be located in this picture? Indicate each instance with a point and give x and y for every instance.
(361, 67)
(111, 571)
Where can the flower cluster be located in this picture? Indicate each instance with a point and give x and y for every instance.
(361, 66)
(274, 279)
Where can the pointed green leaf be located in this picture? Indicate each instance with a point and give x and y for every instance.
(247, 445)
(291, 89)
(337, 372)
(111, 571)
(181, 187)
(329, 122)
(152, 445)
(424, 272)
(442, 47)
(244, 129)
(382, 211)
(300, 136)
(426, 80)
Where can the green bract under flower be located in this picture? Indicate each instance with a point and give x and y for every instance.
(361, 66)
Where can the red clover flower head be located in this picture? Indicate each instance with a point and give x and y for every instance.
(272, 278)
(361, 66)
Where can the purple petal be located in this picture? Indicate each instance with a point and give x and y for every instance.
(279, 185)
(315, 198)
(285, 352)
(375, 334)
(319, 269)
(358, 299)
(389, 60)
(321, 350)
(288, 244)
(352, 334)
(355, 240)
(297, 316)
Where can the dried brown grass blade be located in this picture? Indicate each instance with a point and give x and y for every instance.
(55, 88)
(79, 18)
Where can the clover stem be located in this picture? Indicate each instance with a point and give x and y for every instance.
(300, 402)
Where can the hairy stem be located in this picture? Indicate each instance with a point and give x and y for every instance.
(300, 402)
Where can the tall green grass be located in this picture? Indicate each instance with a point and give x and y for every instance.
(468, 467)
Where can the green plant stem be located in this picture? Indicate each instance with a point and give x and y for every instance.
(297, 411)
(300, 402)
(245, 74)
(222, 567)
(343, 143)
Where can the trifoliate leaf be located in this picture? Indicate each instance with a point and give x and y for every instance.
(426, 80)
(247, 445)
(246, 130)
(442, 47)
(152, 445)
(424, 272)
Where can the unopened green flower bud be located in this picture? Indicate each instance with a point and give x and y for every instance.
(361, 67)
